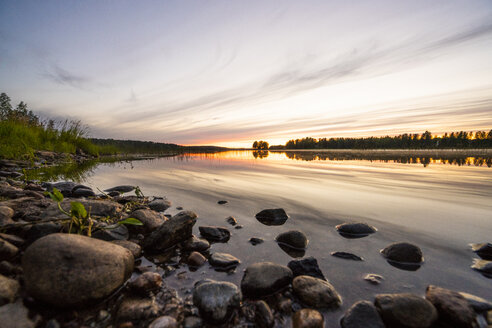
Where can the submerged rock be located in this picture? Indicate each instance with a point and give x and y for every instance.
(67, 270)
(216, 301)
(403, 253)
(222, 202)
(212, 233)
(308, 318)
(405, 310)
(293, 238)
(451, 307)
(223, 260)
(175, 230)
(255, 241)
(306, 267)
(362, 314)
(483, 250)
(348, 256)
(316, 292)
(137, 309)
(265, 278)
(276, 216)
(355, 230)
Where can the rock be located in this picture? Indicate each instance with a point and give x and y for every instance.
(34, 187)
(67, 270)
(196, 259)
(355, 230)
(265, 278)
(192, 322)
(99, 207)
(13, 239)
(477, 303)
(293, 238)
(150, 219)
(306, 267)
(175, 230)
(65, 187)
(483, 250)
(231, 220)
(112, 232)
(9, 288)
(308, 318)
(489, 317)
(40, 230)
(216, 301)
(146, 282)
(8, 269)
(7, 250)
(483, 266)
(223, 260)
(219, 234)
(263, 315)
(451, 307)
(196, 244)
(373, 278)
(159, 204)
(255, 241)
(276, 216)
(121, 189)
(316, 292)
(222, 202)
(131, 246)
(347, 256)
(403, 252)
(15, 315)
(362, 314)
(405, 310)
(137, 309)
(6, 215)
(238, 227)
(164, 322)
(179, 208)
(83, 191)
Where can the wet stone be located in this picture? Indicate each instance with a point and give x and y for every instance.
(196, 259)
(316, 292)
(263, 315)
(452, 307)
(265, 278)
(222, 202)
(477, 303)
(373, 278)
(150, 219)
(255, 241)
(131, 246)
(362, 314)
(403, 253)
(196, 244)
(136, 309)
(146, 282)
(121, 189)
(355, 230)
(483, 250)
(347, 256)
(306, 267)
(293, 238)
(238, 227)
(159, 204)
(192, 322)
(112, 232)
(307, 318)
(9, 288)
(405, 310)
(223, 260)
(231, 220)
(164, 322)
(213, 233)
(483, 266)
(216, 301)
(273, 217)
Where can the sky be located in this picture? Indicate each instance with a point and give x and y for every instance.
(230, 72)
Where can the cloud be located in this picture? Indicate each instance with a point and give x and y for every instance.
(60, 75)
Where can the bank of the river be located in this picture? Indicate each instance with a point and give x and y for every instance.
(121, 276)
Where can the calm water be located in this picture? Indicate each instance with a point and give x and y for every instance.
(441, 205)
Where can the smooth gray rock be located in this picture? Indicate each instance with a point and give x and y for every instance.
(405, 310)
(293, 238)
(362, 314)
(355, 230)
(275, 216)
(213, 233)
(196, 259)
(216, 301)
(112, 232)
(316, 292)
(177, 229)
(150, 219)
(451, 307)
(159, 204)
(131, 246)
(403, 253)
(40, 230)
(223, 260)
(265, 278)
(196, 244)
(67, 270)
(9, 289)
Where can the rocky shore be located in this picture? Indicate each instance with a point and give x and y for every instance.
(52, 274)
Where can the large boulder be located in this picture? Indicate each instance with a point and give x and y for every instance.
(405, 310)
(316, 292)
(273, 217)
(265, 278)
(177, 229)
(362, 314)
(67, 270)
(216, 301)
(452, 307)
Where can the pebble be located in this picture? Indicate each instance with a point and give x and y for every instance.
(347, 256)
(255, 241)
(213, 233)
(196, 259)
(273, 217)
(146, 282)
(164, 322)
(355, 230)
(263, 315)
(223, 260)
(308, 318)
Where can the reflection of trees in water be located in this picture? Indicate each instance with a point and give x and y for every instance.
(260, 154)
(390, 158)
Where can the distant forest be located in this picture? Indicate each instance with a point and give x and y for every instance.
(149, 147)
(462, 139)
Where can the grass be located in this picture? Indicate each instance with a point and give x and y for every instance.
(19, 140)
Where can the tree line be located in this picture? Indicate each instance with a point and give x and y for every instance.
(261, 145)
(426, 140)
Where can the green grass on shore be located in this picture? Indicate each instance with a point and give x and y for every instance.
(19, 140)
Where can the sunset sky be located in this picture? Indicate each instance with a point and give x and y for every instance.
(229, 72)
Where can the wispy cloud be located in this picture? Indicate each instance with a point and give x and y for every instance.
(60, 75)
